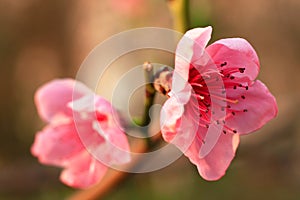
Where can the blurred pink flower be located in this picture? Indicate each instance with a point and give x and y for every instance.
(83, 134)
(129, 7)
(214, 99)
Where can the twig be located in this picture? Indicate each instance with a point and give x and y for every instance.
(149, 93)
(112, 178)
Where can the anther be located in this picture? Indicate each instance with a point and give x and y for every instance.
(234, 131)
(243, 97)
(233, 113)
(223, 64)
(201, 97)
(245, 110)
(242, 70)
(224, 132)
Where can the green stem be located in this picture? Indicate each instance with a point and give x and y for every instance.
(180, 13)
(149, 92)
(149, 95)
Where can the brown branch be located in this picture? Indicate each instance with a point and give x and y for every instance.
(112, 178)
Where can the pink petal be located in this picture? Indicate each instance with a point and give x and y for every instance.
(237, 53)
(83, 171)
(117, 142)
(93, 107)
(100, 130)
(171, 112)
(259, 104)
(118, 147)
(52, 98)
(80, 123)
(56, 145)
(115, 149)
(183, 130)
(189, 49)
(104, 107)
(214, 165)
(178, 127)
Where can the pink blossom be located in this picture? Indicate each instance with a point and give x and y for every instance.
(83, 134)
(214, 99)
(129, 7)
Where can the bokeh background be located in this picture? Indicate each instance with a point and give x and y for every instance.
(43, 40)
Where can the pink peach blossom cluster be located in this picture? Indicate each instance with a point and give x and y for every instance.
(214, 99)
(75, 127)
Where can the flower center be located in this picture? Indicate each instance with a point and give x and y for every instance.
(210, 84)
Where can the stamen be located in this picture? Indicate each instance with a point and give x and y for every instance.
(231, 70)
(197, 106)
(199, 96)
(197, 78)
(199, 137)
(230, 129)
(246, 87)
(199, 123)
(242, 70)
(235, 101)
(223, 64)
(197, 84)
(212, 72)
(206, 121)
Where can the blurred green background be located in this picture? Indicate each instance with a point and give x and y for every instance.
(42, 40)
